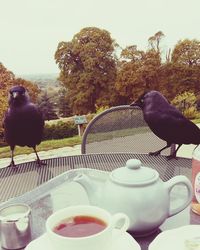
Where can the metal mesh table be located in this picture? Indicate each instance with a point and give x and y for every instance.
(27, 176)
(46, 189)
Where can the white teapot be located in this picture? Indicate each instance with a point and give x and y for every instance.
(138, 192)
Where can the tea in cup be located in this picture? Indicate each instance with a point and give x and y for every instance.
(84, 227)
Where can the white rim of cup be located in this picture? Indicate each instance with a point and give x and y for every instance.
(77, 238)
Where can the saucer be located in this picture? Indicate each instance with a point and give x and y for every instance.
(125, 242)
(175, 238)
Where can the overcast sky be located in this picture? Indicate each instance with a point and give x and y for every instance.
(30, 30)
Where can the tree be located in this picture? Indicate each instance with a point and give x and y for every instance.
(33, 89)
(187, 52)
(88, 69)
(154, 41)
(6, 79)
(63, 104)
(176, 79)
(182, 73)
(137, 72)
(47, 107)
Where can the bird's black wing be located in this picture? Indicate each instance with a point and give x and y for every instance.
(34, 122)
(173, 127)
(24, 126)
(4, 118)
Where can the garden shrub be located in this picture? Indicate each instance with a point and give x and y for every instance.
(2, 140)
(60, 130)
(57, 130)
(191, 113)
(187, 103)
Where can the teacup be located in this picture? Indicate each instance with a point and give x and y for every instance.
(89, 239)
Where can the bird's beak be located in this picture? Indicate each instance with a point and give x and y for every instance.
(15, 95)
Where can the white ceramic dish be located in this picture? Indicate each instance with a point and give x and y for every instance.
(175, 238)
(125, 242)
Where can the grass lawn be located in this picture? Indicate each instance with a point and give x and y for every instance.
(44, 146)
(196, 120)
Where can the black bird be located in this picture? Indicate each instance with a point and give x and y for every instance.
(23, 122)
(167, 122)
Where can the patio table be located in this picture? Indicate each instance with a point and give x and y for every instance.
(60, 191)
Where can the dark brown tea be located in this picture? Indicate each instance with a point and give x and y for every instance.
(80, 226)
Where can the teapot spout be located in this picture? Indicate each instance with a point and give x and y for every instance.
(91, 187)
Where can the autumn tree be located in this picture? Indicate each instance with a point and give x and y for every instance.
(32, 89)
(137, 72)
(182, 72)
(154, 41)
(88, 69)
(187, 52)
(6, 79)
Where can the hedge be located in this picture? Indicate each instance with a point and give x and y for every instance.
(59, 130)
(56, 130)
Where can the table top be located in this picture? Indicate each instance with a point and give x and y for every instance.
(60, 191)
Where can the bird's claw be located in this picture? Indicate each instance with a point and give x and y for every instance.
(154, 153)
(40, 163)
(170, 157)
(12, 164)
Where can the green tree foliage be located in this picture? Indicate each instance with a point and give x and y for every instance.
(88, 69)
(47, 107)
(186, 103)
(63, 103)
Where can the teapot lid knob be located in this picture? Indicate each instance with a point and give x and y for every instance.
(134, 174)
(133, 164)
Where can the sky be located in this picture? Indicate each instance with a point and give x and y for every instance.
(30, 30)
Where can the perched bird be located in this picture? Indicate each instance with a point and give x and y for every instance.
(167, 122)
(23, 122)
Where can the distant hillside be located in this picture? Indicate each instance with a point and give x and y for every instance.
(42, 80)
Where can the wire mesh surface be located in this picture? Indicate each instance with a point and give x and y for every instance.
(120, 129)
(27, 176)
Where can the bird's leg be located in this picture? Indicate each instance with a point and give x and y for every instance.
(173, 155)
(39, 162)
(159, 151)
(12, 163)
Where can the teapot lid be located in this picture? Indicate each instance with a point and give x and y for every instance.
(134, 174)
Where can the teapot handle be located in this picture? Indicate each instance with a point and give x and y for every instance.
(180, 179)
